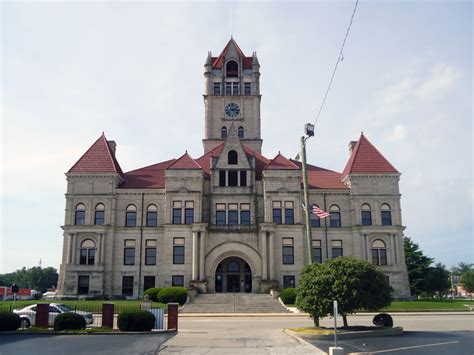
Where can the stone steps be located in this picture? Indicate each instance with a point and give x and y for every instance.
(234, 303)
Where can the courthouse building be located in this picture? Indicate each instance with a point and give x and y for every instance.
(230, 220)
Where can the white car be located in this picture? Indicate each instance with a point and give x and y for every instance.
(28, 314)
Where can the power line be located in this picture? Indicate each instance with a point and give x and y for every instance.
(340, 58)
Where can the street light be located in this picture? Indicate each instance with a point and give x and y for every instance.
(309, 132)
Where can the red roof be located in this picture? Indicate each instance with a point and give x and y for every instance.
(185, 162)
(281, 163)
(365, 158)
(149, 177)
(98, 159)
(320, 178)
(217, 62)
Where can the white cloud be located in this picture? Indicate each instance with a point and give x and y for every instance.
(442, 78)
(399, 133)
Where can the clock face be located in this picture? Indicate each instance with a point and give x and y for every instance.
(232, 110)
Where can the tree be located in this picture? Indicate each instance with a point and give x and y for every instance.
(437, 280)
(461, 268)
(467, 281)
(36, 278)
(355, 284)
(417, 266)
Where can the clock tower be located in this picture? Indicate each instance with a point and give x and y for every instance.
(232, 96)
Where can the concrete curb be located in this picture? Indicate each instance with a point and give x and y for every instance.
(22, 333)
(349, 335)
(242, 315)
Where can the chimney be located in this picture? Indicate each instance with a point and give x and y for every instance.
(112, 146)
(352, 145)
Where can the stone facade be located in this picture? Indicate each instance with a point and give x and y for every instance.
(231, 220)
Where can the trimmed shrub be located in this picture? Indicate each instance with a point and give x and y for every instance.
(152, 293)
(288, 295)
(173, 294)
(69, 321)
(383, 320)
(9, 321)
(136, 320)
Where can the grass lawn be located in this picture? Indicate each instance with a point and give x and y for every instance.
(90, 306)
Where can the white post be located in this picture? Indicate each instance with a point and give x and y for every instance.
(335, 324)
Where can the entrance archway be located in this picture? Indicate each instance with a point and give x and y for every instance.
(233, 274)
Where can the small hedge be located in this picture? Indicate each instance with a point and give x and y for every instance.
(9, 321)
(173, 294)
(383, 320)
(69, 321)
(288, 295)
(152, 293)
(136, 320)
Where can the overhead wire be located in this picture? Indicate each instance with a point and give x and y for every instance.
(340, 58)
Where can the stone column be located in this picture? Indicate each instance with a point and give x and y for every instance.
(202, 274)
(263, 236)
(272, 256)
(69, 249)
(195, 256)
(73, 249)
(102, 248)
(368, 248)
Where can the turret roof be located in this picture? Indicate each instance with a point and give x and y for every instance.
(218, 62)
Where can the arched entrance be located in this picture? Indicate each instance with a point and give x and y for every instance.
(233, 275)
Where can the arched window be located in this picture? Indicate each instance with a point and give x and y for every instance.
(233, 266)
(232, 69)
(99, 214)
(386, 215)
(232, 157)
(241, 132)
(87, 255)
(80, 214)
(224, 132)
(379, 252)
(366, 215)
(151, 216)
(335, 217)
(131, 216)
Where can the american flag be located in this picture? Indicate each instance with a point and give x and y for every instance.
(318, 212)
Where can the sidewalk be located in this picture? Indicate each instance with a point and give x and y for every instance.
(368, 314)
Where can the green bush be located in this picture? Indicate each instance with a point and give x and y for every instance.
(288, 295)
(69, 321)
(173, 294)
(9, 321)
(152, 293)
(136, 320)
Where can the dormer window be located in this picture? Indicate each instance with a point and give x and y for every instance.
(232, 158)
(232, 69)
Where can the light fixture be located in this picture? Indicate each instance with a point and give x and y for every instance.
(309, 129)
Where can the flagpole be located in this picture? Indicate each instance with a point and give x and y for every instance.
(306, 199)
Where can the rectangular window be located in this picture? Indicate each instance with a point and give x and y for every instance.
(366, 218)
(178, 250)
(235, 89)
(80, 218)
(386, 218)
(232, 174)
(288, 281)
(247, 89)
(317, 254)
(131, 219)
(91, 257)
(315, 221)
(335, 219)
(189, 212)
(217, 89)
(221, 214)
(177, 280)
(127, 285)
(150, 252)
(379, 256)
(243, 178)
(233, 214)
(336, 248)
(83, 285)
(99, 218)
(228, 89)
(277, 212)
(288, 251)
(289, 212)
(83, 257)
(129, 252)
(177, 205)
(221, 177)
(148, 282)
(245, 214)
(152, 219)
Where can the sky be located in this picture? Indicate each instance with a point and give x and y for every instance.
(134, 70)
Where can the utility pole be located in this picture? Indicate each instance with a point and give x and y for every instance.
(309, 132)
